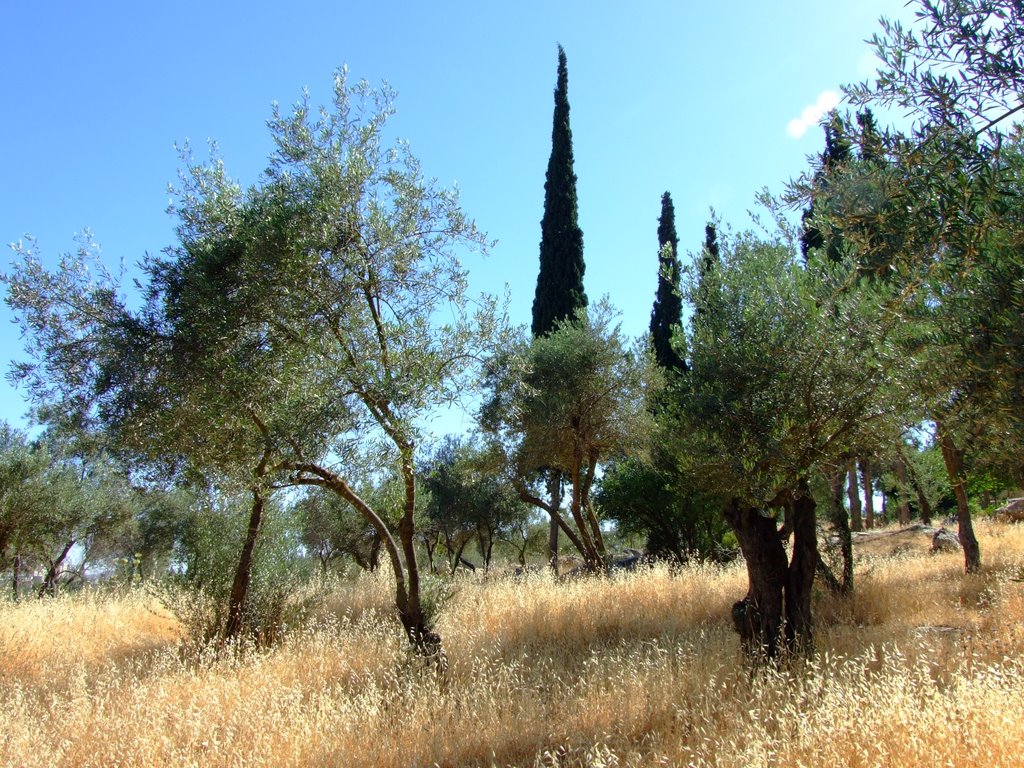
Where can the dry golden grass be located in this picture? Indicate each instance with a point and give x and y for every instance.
(921, 667)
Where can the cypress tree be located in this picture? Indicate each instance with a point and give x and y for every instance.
(874, 260)
(668, 305)
(872, 148)
(710, 257)
(709, 261)
(837, 152)
(560, 281)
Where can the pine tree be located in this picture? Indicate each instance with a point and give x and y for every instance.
(668, 305)
(560, 281)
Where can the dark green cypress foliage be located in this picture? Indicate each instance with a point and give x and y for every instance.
(837, 143)
(711, 256)
(668, 305)
(560, 281)
(875, 259)
(811, 237)
(709, 260)
(869, 140)
(837, 152)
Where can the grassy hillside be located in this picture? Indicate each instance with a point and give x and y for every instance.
(922, 667)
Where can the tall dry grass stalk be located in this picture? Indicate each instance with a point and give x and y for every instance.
(921, 667)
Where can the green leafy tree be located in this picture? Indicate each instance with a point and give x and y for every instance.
(24, 498)
(469, 500)
(958, 67)
(64, 506)
(319, 311)
(647, 498)
(332, 528)
(160, 516)
(938, 217)
(570, 401)
(769, 400)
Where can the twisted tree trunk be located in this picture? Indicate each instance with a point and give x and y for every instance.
(49, 586)
(953, 459)
(778, 601)
(800, 575)
(758, 617)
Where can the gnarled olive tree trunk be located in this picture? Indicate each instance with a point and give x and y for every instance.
(758, 617)
(777, 606)
(800, 575)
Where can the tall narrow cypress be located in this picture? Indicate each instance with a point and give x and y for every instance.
(711, 253)
(837, 152)
(560, 281)
(709, 262)
(668, 304)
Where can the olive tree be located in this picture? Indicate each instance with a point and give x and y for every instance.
(320, 310)
(469, 499)
(938, 214)
(569, 401)
(789, 368)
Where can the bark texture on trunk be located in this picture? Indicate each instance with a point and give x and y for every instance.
(841, 522)
(243, 572)
(759, 616)
(775, 615)
(800, 576)
(414, 618)
(853, 493)
(953, 458)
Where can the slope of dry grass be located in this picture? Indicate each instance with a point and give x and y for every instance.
(921, 667)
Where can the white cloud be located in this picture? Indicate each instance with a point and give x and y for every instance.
(827, 100)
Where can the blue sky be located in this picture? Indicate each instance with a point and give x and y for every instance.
(703, 100)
